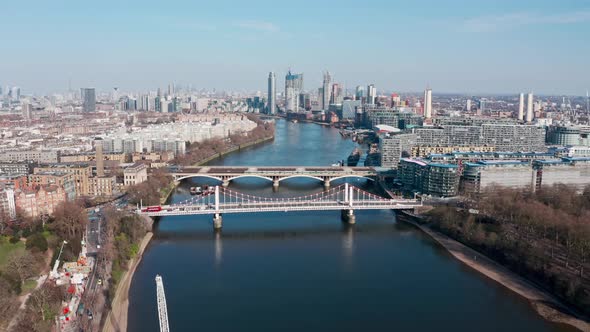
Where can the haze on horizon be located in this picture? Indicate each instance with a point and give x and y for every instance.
(457, 46)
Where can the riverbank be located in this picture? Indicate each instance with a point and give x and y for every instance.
(544, 303)
(234, 149)
(116, 320)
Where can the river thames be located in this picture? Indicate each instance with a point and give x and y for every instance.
(307, 271)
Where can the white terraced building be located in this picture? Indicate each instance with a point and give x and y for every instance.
(172, 136)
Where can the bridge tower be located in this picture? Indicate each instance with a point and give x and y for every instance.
(347, 215)
(217, 219)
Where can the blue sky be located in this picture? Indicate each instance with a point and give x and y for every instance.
(475, 46)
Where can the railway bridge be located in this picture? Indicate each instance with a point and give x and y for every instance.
(225, 174)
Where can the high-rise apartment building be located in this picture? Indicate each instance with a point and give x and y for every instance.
(371, 94)
(326, 91)
(529, 108)
(88, 96)
(359, 92)
(521, 107)
(27, 110)
(293, 86)
(272, 94)
(428, 103)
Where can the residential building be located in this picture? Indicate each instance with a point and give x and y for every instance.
(394, 147)
(61, 179)
(326, 91)
(135, 174)
(35, 202)
(483, 175)
(88, 96)
(81, 173)
(272, 94)
(30, 155)
(293, 87)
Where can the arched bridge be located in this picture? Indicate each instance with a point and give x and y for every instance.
(226, 174)
(345, 198)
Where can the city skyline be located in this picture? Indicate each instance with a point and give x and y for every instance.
(455, 47)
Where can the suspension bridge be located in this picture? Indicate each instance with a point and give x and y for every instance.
(220, 200)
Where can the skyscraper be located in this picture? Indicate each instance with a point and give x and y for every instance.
(293, 86)
(336, 94)
(521, 107)
(359, 93)
(272, 94)
(468, 105)
(326, 91)
(428, 103)
(529, 108)
(15, 93)
(27, 111)
(88, 96)
(371, 94)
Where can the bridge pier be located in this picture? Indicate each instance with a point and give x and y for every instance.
(326, 185)
(275, 183)
(217, 221)
(225, 183)
(348, 216)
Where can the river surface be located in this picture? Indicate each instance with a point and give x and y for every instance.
(306, 271)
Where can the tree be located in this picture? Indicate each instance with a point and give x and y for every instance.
(23, 264)
(45, 301)
(69, 223)
(7, 300)
(37, 242)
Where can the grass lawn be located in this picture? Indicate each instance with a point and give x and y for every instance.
(6, 248)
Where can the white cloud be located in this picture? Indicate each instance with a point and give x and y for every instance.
(258, 26)
(512, 20)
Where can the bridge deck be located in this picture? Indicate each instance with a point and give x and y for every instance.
(281, 207)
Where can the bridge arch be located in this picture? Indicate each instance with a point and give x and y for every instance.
(352, 176)
(199, 175)
(250, 176)
(301, 176)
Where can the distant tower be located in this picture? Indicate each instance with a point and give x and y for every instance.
(15, 93)
(27, 111)
(88, 99)
(428, 103)
(99, 158)
(171, 89)
(359, 93)
(529, 108)
(468, 105)
(371, 94)
(115, 94)
(293, 86)
(587, 103)
(326, 91)
(272, 94)
(521, 107)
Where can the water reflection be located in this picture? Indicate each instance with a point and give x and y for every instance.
(218, 248)
(348, 245)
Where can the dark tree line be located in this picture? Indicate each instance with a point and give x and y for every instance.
(544, 235)
(199, 151)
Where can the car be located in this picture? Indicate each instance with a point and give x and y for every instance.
(99, 281)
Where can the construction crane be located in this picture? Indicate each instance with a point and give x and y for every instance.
(162, 308)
